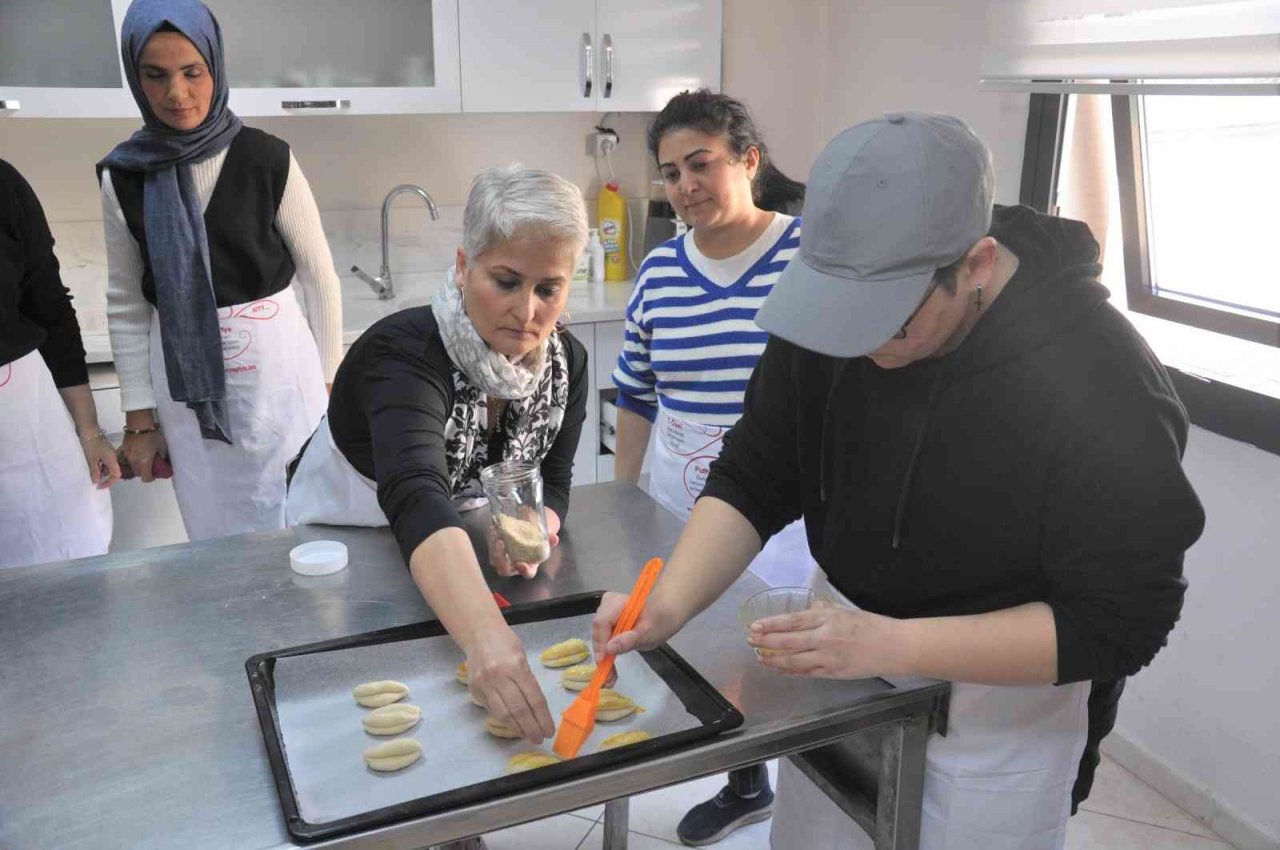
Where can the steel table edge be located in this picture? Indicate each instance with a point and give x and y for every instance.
(733, 749)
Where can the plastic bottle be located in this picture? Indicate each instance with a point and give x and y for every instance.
(612, 212)
(595, 249)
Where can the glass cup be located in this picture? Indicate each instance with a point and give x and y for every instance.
(514, 491)
(772, 602)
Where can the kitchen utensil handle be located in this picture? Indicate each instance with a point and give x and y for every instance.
(315, 104)
(639, 593)
(11, 105)
(588, 67)
(608, 65)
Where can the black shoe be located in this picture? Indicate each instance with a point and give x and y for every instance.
(707, 823)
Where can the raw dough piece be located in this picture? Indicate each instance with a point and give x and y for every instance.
(462, 675)
(498, 729)
(623, 739)
(577, 677)
(393, 755)
(614, 706)
(378, 694)
(566, 653)
(391, 719)
(521, 762)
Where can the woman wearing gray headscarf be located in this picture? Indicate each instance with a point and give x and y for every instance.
(208, 222)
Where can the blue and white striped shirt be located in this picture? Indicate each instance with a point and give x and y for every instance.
(691, 344)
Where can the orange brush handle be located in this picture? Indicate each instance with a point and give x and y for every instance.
(630, 614)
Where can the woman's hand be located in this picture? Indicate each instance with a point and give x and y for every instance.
(104, 466)
(141, 450)
(827, 643)
(499, 677)
(502, 563)
(655, 626)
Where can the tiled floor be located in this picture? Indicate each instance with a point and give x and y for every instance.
(1123, 813)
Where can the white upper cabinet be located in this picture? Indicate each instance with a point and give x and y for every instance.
(586, 55)
(59, 59)
(521, 56)
(650, 52)
(354, 57)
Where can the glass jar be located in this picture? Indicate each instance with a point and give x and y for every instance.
(514, 491)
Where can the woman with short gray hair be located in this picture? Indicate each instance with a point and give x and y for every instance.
(429, 396)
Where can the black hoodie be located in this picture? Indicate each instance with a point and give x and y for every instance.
(1039, 461)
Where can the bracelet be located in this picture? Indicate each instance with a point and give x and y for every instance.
(136, 431)
(100, 434)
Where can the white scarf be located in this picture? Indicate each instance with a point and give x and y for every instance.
(492, 372)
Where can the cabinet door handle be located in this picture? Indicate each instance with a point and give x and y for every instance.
(588, 67)
(608, 65)
(11, 105)
(315, 104)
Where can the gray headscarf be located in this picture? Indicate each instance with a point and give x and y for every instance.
(176, 240)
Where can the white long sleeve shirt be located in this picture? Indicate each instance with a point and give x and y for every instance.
(129, 312)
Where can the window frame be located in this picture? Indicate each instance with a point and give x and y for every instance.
(1144, 297)
(1216, 406)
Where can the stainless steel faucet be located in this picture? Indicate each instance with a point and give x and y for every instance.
(382, 283)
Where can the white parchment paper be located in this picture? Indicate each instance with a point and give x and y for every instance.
(320, 721)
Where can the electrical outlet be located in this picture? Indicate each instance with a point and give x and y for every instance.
(601, 143)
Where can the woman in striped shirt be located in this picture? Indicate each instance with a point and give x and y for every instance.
(692, 343)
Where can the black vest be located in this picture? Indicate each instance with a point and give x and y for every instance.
(248, 255)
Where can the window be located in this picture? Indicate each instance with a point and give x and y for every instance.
(1198, 188)
(1185, 204)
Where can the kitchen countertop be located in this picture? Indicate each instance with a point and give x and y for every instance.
(128, 719)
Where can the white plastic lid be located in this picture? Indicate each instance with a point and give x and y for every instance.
(318, 558)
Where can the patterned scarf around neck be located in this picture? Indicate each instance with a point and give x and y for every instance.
(536, 389)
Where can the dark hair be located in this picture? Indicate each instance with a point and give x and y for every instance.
(168, 27)
(719, 114)
(946, 276)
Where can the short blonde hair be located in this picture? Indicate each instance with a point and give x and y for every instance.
(517, 201)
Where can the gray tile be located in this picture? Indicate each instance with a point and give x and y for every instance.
(1093, 831)
(656, 813)
(1118, 792)
(635, 841)
(563, 832)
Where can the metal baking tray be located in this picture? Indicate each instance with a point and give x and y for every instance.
(311, 724)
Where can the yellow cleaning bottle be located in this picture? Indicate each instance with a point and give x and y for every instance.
(611, 209)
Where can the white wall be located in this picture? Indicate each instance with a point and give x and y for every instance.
(921, 55)
(776, 65)
(351, 161)
(1207, 710)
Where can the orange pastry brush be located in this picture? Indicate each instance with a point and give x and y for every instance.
(580, 717)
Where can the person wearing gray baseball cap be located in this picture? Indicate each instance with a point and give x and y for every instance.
(987, 458)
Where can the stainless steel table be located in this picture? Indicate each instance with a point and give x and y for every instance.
(126, 719)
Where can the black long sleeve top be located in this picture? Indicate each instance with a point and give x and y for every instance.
(1040, 461)
(391, 399)
(35, 308)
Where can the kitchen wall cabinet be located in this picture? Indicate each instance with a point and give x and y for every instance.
(61, 58)
(289, 57)
(586, 55)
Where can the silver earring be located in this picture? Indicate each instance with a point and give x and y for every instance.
(979, 298)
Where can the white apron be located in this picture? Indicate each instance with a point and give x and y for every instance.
(49, 508)
(682, 456)
(275, 399)
(1000, 780)
(327, 490)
